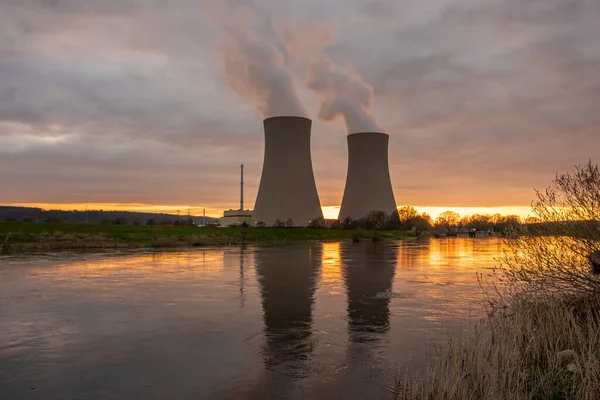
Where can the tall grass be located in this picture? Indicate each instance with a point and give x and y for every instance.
(545, 348)
(541, 336)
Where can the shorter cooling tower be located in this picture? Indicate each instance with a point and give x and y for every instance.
(368, 184)
(287, 188)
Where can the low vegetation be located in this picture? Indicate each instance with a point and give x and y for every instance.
(540, 338)
(49, 236)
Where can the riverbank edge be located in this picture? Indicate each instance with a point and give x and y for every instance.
(25, 238)
(538, 348)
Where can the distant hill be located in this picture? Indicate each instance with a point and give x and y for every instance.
(93, 216)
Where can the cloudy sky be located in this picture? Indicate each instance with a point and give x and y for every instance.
(140, 101)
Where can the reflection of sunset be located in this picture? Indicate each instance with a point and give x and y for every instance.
(121, 276)
(330, 263)
(441, 273)
(206, 261)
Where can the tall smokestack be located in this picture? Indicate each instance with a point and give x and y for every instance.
(287, 186)
(368, 184)
(242, 187)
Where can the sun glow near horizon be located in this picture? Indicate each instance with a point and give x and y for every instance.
(332, 212)
(329, 212)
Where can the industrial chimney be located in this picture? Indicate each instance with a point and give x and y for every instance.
(368, 184)
(287, 186)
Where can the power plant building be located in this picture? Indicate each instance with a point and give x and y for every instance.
(235, 217)
(287, 188)
(368, 184)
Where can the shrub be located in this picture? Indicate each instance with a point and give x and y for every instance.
(121, 221)
(316, 223)
(375, 220)
(540, 338)
(554, 256)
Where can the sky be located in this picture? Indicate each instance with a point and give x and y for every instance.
(156, 103)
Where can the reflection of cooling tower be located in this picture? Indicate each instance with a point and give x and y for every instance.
(287, 185)
(368, 275)
(368, 184)
(287, 280)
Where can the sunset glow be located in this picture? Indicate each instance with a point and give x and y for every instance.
(329, 212)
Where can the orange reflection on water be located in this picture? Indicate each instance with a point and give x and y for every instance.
(441, 273)
(205, 262)
(331, 263)
(121, 276)
(443, 252)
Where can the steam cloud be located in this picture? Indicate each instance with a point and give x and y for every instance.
(255, 69)
(342, 94)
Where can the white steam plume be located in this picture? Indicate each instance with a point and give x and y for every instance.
(256, 70)
(342, 94)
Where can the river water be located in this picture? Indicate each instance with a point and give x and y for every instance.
(304, 321)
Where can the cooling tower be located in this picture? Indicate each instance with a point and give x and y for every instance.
(368, 184)
(287, 186)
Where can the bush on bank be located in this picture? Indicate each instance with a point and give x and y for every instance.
(540, 338)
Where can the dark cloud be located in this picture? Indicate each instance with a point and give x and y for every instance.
(125, 101)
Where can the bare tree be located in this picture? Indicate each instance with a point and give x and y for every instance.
(557, 255)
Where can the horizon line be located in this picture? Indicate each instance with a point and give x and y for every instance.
(329, 212)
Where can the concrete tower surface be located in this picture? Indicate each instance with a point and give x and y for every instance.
(287, 186)
(368, 184)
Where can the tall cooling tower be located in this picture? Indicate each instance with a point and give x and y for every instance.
(287, 186)
(368, 184)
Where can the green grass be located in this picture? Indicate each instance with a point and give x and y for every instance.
(46, 236)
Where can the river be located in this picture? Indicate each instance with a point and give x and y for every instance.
(301, 321)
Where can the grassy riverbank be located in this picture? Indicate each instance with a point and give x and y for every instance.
(545, 348)
(45, 236)
(541, 336)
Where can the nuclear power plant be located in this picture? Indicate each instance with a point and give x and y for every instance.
(287, 189)
(368, 184)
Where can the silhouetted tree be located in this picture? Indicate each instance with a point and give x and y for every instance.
(278, 223)
(289, 223)
(418, 223)
(392, 222)
(375, 220)
(478, 222)
(532, 220)
(27, 219)
(562, 260)
(407, 212)
(108, 221)
(151, 222)
(346, 223)
(506, 223)
(261, 224)
(336, 224)
(10, 218)
(315, 223)
(427, 218)
(448, 219)
(121, 221)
